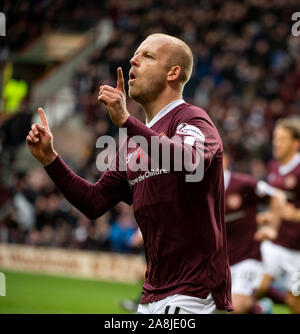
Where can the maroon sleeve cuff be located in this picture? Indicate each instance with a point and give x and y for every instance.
(57, 168)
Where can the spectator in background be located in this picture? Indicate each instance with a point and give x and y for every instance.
(63, 234)
(14, 91)
(47, 235)
(24, 210)
(13, 129)
(101, 233)
(122, 230)
(81, 231)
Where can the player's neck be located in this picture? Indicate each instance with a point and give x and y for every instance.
(153, 108)
(286, 159)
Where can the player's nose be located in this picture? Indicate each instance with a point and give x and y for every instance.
(134, 61)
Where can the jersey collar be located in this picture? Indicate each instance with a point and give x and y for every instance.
(164, 112)
(287, 168)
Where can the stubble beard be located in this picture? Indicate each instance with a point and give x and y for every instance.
(148, 94)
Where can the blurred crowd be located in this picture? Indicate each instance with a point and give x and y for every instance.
(28, 19)
(246, 76)
(33, 212)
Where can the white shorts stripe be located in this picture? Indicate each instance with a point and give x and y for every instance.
(181, 304)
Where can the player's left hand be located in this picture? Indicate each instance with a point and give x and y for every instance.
(115, 100)
(265, 233)
(264, 218)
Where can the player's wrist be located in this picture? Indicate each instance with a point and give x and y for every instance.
(49, 158)
(124, 119)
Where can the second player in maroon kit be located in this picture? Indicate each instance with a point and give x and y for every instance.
(287, 178)
(243, 195)
(281, 257)
(241, 204)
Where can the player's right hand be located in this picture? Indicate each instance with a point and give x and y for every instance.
(40, 141)
(115, 100)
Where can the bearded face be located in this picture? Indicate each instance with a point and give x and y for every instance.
(146, 87)
(148, 73)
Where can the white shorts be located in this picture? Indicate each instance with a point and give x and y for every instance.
(181, 304)
(281, 262)
(246, 276)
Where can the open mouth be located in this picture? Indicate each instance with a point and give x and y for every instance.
(131, 76)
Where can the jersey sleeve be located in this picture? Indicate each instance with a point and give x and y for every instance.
(264, 189)
(93, 200)
(197, 131)
(258, 191)
(195, 139)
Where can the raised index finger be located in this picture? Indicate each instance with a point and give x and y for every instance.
(43, 117)
(120, 83)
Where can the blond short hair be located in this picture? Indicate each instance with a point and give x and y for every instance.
(292, 125)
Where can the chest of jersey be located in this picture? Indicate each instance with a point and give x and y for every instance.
(289, 183)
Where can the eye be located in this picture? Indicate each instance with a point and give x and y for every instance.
(147, 55)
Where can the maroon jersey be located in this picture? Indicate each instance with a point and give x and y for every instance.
(182, 222)
(243, 194)
(287, 178)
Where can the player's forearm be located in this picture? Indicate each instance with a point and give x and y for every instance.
(277, 203)
(79, 192)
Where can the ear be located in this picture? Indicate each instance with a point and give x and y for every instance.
(173, 73)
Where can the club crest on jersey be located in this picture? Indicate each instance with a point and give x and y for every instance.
(190, 130)
(272, 177)
(290, 182)
(234, 201)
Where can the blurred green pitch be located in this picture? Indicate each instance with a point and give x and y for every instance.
(42, 294)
